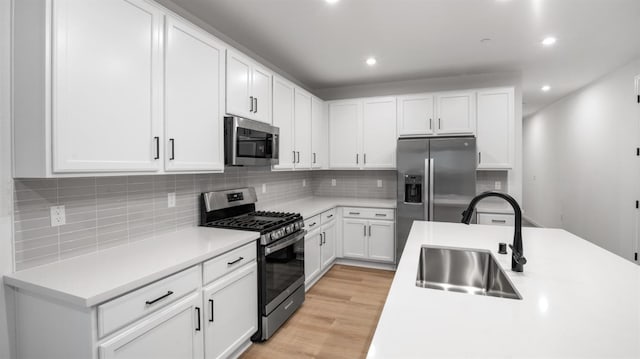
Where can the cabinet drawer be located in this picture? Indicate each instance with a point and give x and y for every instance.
(496, 219)
(312, 223)
(368, 213)
(223, 264)
(121, 311)
(328, 215)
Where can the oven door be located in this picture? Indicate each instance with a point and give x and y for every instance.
(250, 143)
(283, 270)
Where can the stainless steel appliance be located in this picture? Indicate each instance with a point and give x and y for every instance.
(250, 143)
(436, 181)
(280, 252)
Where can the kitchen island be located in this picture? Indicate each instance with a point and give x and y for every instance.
(578, 300)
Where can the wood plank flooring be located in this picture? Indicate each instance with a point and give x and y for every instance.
(337, 319)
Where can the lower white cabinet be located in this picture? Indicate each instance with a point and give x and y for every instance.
(231, 311)
(328, 248)
(354, 238)
(496, 219)
(320, 245)
(312, 243)
(381, 243)
(174, 332)
(364, 237)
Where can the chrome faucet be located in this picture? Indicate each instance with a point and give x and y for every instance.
(517, 259)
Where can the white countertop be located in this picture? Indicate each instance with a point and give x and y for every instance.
(578, 301)
(95, 278)
(312, 206)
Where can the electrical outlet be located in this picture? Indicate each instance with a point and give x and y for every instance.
(171, 199)
(333, 182)
(498, 185)
(58, 216)
(304, 183)
(380, 183)
(264, 188)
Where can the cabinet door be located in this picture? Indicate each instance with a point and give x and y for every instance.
(174, 332)
(231, 311)
(107, 85)
(319, 134)
(495, 129)
(415, 115)
(354, 238)
(328, 249)
(302, 129)
(456, 113)
(379, 133)
(312, 265)
(283, 94)
(344, 137)
(238, 79)
(194, 95)
(381, 240)
(261, 91)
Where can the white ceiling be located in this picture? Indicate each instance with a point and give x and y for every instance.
(325, 45)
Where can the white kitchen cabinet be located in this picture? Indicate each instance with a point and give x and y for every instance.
(194, 99)
(345, 118)
(379, 139)
(416, 115)
(320, 134)
(495, 132)
(312, 248)
(174, 332)
(367, 237)
(248, 88)
(231, 305)
(456, 113)
(496, 219)
(283, 110)
(328, 248)
(302, 129)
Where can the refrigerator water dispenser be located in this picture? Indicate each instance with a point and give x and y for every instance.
(412, 189)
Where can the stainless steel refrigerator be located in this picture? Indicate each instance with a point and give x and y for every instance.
(436, 181)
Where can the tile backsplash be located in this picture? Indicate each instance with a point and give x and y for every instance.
(355, 184)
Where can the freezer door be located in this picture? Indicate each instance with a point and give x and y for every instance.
(412, 188)
(453, 177)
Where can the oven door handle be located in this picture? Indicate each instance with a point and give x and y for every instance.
(282, 244)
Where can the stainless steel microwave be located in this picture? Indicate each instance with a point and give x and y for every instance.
(250, 143)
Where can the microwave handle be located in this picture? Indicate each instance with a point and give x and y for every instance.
(276, 146)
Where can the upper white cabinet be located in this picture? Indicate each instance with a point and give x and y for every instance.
(362, 133)
(283, 97)
(495, 132)
(379, 133)
(194, 98)
(106, 85)
(456, 113)
(302, 129)
(320, 134)
(248, 88)
(416, 115)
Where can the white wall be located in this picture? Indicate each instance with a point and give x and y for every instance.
(581, 172)
(6, 182)
(447, 84)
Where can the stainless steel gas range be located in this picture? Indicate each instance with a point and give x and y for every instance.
(280, 252)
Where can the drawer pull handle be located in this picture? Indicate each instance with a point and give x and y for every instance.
(499, 220)
(380, 215)
(198, 314)
(312, 224)
(150, 302)
(354, 212)
(286, 307)
(211, 310)
(236, 261)
(329, 216)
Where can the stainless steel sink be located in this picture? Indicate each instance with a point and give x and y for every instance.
(461, 270)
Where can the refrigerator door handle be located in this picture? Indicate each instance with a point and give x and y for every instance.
(431, 187)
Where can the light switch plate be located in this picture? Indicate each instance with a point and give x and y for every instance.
(333, 182)
(58, 216)
(264, 188)
(379, 183)
(171, 199)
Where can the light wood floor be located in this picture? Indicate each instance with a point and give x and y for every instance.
(337, 319)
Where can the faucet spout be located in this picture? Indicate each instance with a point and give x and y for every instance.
(517, 259)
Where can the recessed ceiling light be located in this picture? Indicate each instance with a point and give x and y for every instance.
(549, 40)
(371, 61)
(545, 88)
(332, 1)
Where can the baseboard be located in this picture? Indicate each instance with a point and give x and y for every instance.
(365, 264)
(243, 348)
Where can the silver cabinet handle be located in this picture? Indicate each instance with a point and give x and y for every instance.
(498, 221)
(431, 124)
(294, 156)
(255, 109)
(365, 158)
(364, 228)
(250, 103)
(439, 124)
(357, 158)
(479, 157)
(354, 212)
(369, 230)
(314, 158)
